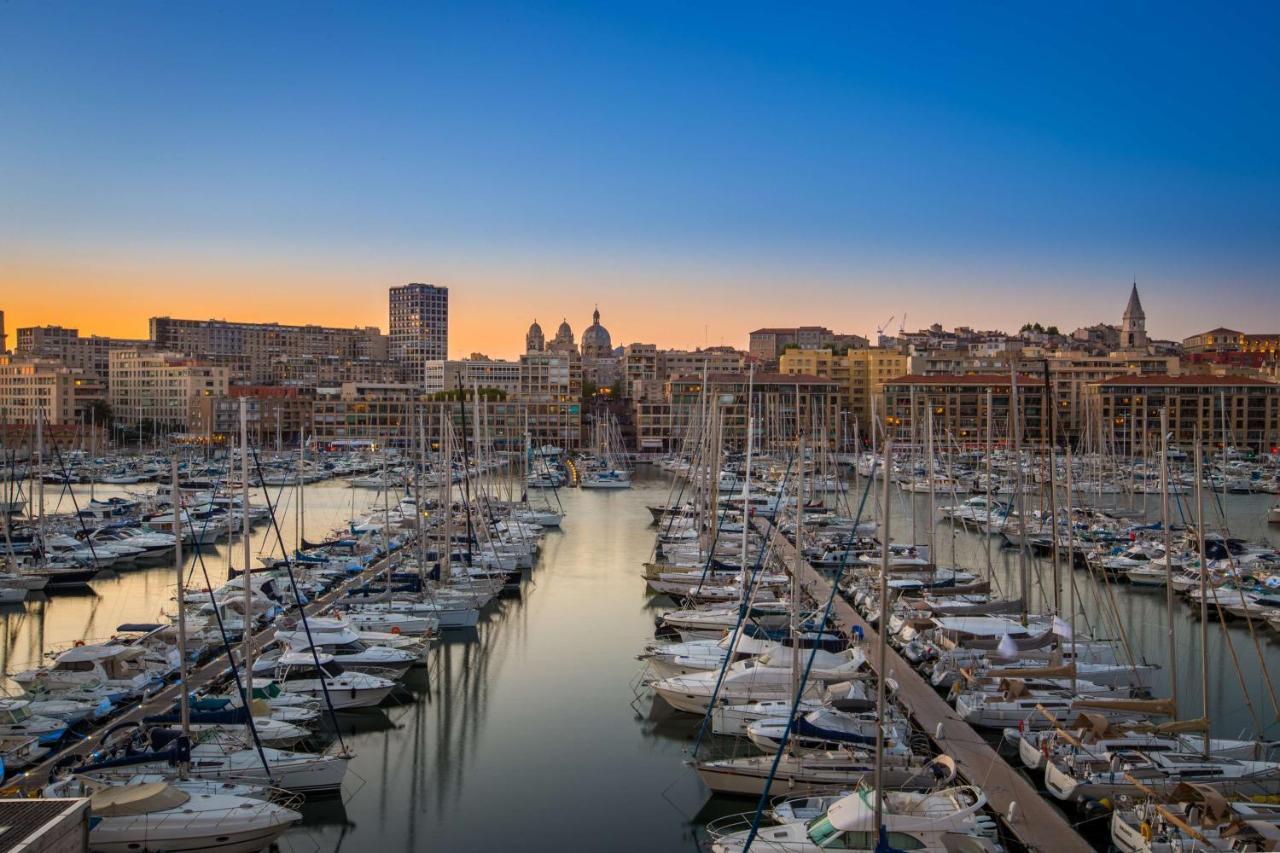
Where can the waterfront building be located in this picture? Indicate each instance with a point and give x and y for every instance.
(784, 406)
(551, 392)
(35, 387)
(1227, 411)
(767, 344)
(419, 330)
(960, 407)
(248, 350)
(311, 371)
(156, 388)
(90, 354)
(477, 371)
(862, 374)
(276, 416)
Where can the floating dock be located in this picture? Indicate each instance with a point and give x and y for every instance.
(1036, 823)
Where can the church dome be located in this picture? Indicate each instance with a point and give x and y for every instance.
(564, 331)
(595, 340)
(535, 329)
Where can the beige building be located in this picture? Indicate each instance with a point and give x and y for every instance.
(250, 349)
(157, 388)
(862, 374)
(784, 406)
(1230, 411)
(91, 354)
(477, 371)
(32, 387)
(551, 392)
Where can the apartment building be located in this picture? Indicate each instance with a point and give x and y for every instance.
(1230, 411)
(249, 350)
(419, 326)
(311, 371)
(504, 376)
(156, 388)
(962, 408)
(276, 416)
(90, 354)
(862, 374)
(784, 406)
(32, 389)
(767, 345)
(551, 391)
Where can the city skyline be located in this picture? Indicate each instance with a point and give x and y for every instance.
(691, 176)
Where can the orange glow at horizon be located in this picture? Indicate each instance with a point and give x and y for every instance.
(486, 315)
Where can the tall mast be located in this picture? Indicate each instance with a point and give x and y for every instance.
(246, 640)
(746, 486)
(1019, 498)
(1204, 597)
(1168, 554)
(1049, 439)
(184, 709)
(881, 635)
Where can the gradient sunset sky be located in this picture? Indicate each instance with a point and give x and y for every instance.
(699, 169)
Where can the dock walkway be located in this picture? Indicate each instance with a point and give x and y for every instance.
(1036, 823)
(37, 775)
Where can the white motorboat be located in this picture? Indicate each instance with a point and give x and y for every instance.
(157, 816)
(298, 673)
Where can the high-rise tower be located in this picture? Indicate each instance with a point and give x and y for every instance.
(419, 329)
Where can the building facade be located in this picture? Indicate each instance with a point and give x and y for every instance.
(1224, 411)
(249, 350)
(473, 372)
(767, 344)
(157, 388)
(967, 410)
(551, 392)
(419, 330)
(91, 354)
(32, 389)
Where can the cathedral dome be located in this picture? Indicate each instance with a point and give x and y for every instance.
(595, 340)
(535, 329)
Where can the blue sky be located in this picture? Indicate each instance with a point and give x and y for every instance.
(698, 169)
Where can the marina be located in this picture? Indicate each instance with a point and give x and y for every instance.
(495, 705)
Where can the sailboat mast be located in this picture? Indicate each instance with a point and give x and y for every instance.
(881, 635)
(1204, 597)
(1168, 554)
(184, 708)
(1024, 579)
(246, 640)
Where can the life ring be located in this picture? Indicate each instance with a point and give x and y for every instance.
(395, 629)
(1145, 829)
(79, 643)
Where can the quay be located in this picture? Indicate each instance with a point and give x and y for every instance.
(37, 776)
(1029, 817)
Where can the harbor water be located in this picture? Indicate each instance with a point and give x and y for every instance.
(532, 731)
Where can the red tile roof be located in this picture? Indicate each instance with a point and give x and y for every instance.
(983, 379)
(1151, 379)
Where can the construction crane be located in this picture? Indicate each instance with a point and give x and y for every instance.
(880, 329)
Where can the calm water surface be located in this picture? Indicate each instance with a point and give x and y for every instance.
(528, 732)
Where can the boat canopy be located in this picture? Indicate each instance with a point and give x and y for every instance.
(129, 800)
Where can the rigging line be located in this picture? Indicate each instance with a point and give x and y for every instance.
(743, 609)
(244, 689)
(302, 610)
(813, 653)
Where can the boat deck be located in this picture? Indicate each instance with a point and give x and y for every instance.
(1037, 824)
(36, 776)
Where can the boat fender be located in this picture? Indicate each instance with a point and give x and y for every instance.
(1012, 814)
(937, 732)
(1145, 829)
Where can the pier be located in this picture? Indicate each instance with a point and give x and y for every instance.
(1036, 823)
(36, 776)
